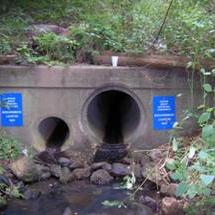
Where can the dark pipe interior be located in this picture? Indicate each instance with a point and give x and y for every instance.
(113, 115)
(54, 131)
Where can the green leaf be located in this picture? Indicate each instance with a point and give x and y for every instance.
(207, 88)
(203, 155)
(114, 203)
(207, 179)
(182, 188)
(192, 191)
(170, 164)
(210, 109)
(208, 134)
(204, 117)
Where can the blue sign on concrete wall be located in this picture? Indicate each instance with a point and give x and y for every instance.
(164, 113)
(11, 110)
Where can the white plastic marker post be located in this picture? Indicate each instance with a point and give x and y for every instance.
(114, 60)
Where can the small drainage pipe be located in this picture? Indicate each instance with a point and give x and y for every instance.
(54, 131)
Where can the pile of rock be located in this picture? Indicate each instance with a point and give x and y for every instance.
(67, 170)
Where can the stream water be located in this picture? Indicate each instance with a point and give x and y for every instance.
(80, 197)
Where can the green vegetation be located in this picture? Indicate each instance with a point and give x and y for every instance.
(191, 161)
(193, 165)
(120, 26)
(9, 148)
(201, 206)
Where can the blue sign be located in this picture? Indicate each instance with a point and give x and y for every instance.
(164, 113)
(11, 110)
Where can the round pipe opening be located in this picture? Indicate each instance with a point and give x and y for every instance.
(113, 116)
(54, 131)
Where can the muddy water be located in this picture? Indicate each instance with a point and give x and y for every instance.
(82, 199)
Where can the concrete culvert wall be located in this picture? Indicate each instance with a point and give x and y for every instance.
(54, 131)
(113, 116)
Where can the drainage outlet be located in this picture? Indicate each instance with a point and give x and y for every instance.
(113, 116)
(54, 131)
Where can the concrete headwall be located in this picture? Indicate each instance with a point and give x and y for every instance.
(81, 95)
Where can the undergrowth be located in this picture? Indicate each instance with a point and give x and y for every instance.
(10, 148)
(120, 26)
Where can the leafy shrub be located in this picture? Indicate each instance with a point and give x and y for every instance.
(193, 162)
(5, 46)
(94, 36)
(189, 30)
(9, 148)
(29, 55)
(56, 47)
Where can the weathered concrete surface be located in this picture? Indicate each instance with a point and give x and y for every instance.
(65, 92)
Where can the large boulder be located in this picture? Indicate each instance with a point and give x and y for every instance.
(66, 175)
(101, 177)
(26, 170)
(55, 170)
(37, 29)
(76, 165)
(168, 189)
(101, 165)
(64, 162)
(171, 206)
(119, 169)
(81, 173)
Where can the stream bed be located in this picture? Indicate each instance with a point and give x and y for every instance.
(76, 198)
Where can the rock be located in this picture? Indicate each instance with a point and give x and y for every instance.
(64, 162)
(189, 127)
(47, 157)
(126, 160)
(76, 165)
(28, 194)
(44, 171)
(150, 202)
(67, 211)
(45, 175)
(35, 30)
(119, 169)
(65, 175)
(171, 206)
(101, 165)
(101, 177)
(151, 172)
(55, 170)
(156, 155)
(26, 170)
(81, 173)
(168, 189)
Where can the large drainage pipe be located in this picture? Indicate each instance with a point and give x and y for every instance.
(113, 116)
